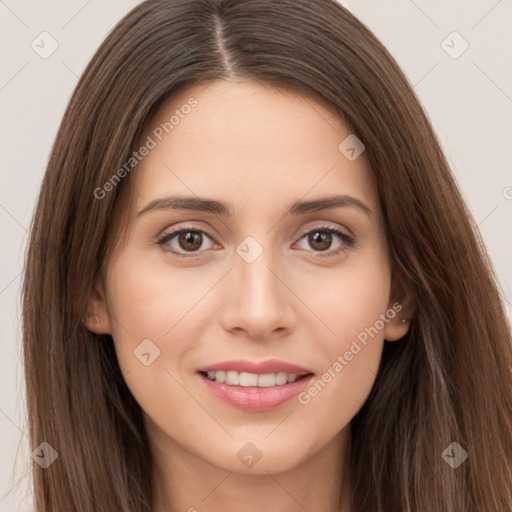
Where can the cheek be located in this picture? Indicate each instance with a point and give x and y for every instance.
(351, 304)
(143, 309)
(147, 320)
(148, 300)
(350, 299)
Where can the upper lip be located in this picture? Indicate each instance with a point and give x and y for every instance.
(269, 366)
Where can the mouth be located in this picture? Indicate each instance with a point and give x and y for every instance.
(267, 386)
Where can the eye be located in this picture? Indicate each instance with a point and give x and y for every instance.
(321, 238)
(189, 240)
(193, 240)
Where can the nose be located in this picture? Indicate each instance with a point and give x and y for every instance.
(259, 303)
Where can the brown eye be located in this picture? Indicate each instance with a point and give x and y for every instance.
(190, 240)
(320, 240)
(184, 241)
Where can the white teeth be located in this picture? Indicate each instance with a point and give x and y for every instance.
(266, 380)
(263, 380)
(248, 379)
(281, 378)
(232, 378)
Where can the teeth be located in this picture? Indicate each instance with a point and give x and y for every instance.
(266, 380)
(232, 378)
(218, 376)
(281, 378)
(248, 379)
(244, 379)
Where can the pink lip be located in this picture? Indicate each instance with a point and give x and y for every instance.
(270, 366)
(253, 398)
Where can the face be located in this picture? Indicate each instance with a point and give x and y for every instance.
(268, 285)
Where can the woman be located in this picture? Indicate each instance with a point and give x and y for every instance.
(252, 280)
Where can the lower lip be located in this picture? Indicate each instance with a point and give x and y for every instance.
(253, 398)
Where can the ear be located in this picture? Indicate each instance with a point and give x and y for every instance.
(98, 319)
(403, 303)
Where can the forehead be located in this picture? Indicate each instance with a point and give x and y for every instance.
(249, 144)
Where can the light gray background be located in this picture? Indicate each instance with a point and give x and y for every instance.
(469, 100)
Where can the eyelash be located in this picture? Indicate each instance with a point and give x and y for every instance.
(347, 240)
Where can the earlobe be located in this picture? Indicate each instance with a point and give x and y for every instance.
(397, 328)
(97, 319)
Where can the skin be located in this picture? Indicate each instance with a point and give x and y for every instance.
(259, 149)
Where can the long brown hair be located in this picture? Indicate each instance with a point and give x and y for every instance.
(448, 380)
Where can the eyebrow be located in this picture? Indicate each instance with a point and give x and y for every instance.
(197, 204)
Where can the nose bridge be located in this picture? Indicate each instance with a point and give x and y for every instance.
(259, 302)
(253, 264)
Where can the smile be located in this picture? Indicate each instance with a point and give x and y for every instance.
(255, 386)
